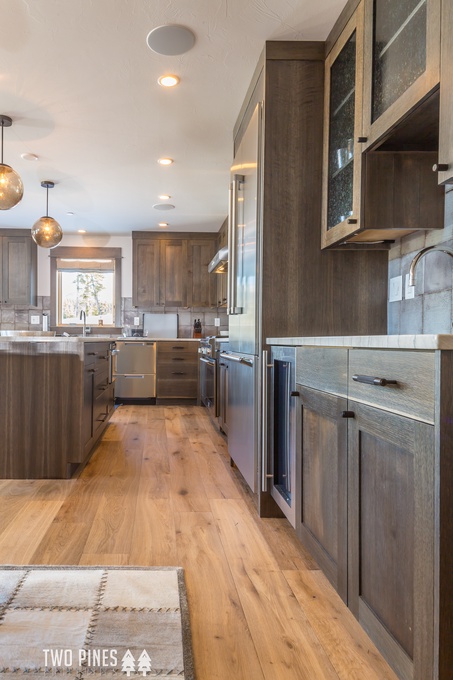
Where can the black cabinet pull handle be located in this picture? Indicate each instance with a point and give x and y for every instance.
(179, 348)
(370, 380)
(351, 220)
(92, 354)
(177, 373)
(295, 394)
(362, 140)
(440, 167)
(347, 414)
(178, 359)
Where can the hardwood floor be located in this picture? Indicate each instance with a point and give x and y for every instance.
(159, 490)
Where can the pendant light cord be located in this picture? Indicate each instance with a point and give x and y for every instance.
(47, 202)
(2, 141)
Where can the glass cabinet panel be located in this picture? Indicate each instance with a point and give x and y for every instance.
(399, 49)
(341, 134)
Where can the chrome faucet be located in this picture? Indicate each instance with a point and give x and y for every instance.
(422, 253)
(83, 315)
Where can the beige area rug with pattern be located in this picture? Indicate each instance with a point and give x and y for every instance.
(75, 622)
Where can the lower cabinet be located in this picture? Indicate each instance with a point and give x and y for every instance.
(376, 479)
(98, 396)
(177, 371)
(322, 525)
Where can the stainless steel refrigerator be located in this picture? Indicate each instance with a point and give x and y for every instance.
(243, 295)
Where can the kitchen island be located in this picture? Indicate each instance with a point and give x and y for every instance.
(56, 400)
(375, 473)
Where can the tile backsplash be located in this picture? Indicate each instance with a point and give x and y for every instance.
(431, 308)
(18, 317)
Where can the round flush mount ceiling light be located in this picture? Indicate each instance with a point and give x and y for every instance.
(168, 81)
(29, 156)
(165, 161)
(163, 206)
(170, 40)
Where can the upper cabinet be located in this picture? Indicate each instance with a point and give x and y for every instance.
(445, 166)
(18, 268)
(401, 61)
(171, 270)
(381, 123)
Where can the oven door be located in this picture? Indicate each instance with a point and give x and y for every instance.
(208, 383)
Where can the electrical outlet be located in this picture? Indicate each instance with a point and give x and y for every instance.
(35, 320)
(136, 321)
(396, 289)
(217, 321)
(409, 291)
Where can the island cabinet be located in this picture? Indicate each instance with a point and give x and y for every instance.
(381, 125)
(57, 398)
(375, 444)
(172, 269)
(177, 371)
(18, 268)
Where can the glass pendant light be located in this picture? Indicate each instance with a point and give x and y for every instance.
(11, 187)
(46, 231)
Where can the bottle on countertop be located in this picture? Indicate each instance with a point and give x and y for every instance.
(197, 328)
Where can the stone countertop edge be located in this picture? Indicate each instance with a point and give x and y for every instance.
(420, 342)
(77, 339)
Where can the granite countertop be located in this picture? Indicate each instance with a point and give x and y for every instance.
(427, 342)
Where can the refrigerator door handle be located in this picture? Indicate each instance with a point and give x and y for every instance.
(265, 475)
(232, 246)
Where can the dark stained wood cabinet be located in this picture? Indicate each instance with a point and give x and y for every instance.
(391, 530)
(177, 371)
(445, 176)
(18, 268)
(376, 478)
(322, 450)
(171, 269)
(98, 395)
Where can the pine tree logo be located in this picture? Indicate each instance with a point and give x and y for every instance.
(128, 663)
(144, 663)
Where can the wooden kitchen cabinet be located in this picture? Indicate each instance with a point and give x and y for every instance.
(98, 396)
(18, 267)
(445, 175)
(381, 126)
(392, 441)
(177, 371)
(322, 449)
(171, 269)
(401, 61)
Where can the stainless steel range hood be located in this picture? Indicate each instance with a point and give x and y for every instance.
(219, 263)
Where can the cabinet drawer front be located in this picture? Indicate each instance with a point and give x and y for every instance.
(414, 372)
(324, 369)
(179, 370)
(177, 388)
(177, 346)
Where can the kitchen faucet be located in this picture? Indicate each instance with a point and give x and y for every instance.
(421, 254)
(83, 315)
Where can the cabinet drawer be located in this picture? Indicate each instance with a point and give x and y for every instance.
(177, 347)
(324, 369)
(186, 389)
(414, 372)
(179, 370)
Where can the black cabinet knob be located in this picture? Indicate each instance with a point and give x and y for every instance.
(295, 394)
(362, 140)
(351, 220)
(440, 167)
(347, 414)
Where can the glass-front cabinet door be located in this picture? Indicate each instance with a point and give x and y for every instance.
(342, 128)
(401, 60)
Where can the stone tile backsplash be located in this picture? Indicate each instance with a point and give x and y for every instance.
(431, 309)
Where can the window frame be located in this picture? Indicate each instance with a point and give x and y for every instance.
(83, 253)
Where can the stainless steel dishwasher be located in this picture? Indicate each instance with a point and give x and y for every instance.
(134, 371)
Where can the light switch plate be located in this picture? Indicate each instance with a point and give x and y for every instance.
(136, 321)
(35, 320)
(396, 289)
(217, 321)
(409, 291)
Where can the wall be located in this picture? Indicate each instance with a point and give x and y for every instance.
(18, 317)
(431, 310)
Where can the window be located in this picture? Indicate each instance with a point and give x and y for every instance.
(85, 280)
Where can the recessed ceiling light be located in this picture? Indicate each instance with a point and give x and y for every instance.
(29, 156)
(81, 231)
(163, 206)
(168, 81)
(164, 197)
(170, 40)
(163, 224)
(165, 161)
(70, 213)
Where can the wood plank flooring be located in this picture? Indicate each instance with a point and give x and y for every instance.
(159, 490)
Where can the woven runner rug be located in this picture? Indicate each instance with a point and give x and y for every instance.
(77, 622)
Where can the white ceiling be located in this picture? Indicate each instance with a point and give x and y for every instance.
(80, 83)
